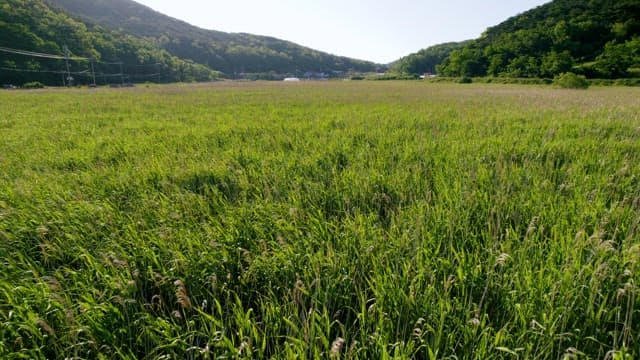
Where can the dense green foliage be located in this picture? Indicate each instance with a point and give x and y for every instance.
(34, 26)
(364, 220)
(599, 38)
(571, 81)
(425, 60)
(596, 38)
(229, 53)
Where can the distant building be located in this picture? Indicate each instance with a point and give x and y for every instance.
(292, 79)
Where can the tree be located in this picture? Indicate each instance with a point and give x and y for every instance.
(466, 62)
(615, 60)
(425, 60)
(554, 63)
(595, 36)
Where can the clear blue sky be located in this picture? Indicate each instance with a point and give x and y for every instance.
(380, 31)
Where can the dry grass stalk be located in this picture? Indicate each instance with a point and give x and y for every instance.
(182, 295)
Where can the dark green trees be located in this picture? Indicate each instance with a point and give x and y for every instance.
(596, 38)
(34, 26)
(426, 60)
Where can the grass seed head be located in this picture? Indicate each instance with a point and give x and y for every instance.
(533, 225)
(176, 314)
(628, 286)
(451, 279)
(213, 280)
(336, 347)
(45, 327)
(181, 295)
(352, 349)
(54, 284)
(572, 353)
(42, 230)
(602, 270)
(607, 246)
(242, 347)
(536, 325)
(502, 259)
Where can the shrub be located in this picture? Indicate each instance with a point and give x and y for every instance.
(392, 76)
(570, 80)
(465, 80)
(628, 82)
(33, 85)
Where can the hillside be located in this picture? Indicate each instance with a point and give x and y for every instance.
(425, 60)
(598, 38)
(230, 53)
(43, 31)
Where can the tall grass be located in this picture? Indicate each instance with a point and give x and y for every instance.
(371, 220)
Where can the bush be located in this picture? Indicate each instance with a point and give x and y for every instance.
(392, 76)
(33, 85)
(615, 82)
(628, 82)
(571, 81)
(465, 80)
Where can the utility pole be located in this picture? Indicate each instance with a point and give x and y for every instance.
(93, 72)
(67, 55)
(121, 74)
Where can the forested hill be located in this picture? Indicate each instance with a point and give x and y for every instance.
(230, 53)
(426, 60)
(597, 38)
(40, 33)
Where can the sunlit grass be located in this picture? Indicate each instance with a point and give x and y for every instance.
(320, 220)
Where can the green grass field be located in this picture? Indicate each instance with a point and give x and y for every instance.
(353, 220)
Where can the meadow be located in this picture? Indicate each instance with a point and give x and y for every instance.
(342, 220)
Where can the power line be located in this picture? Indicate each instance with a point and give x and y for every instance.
(43, 71)
(143, 65)
(145, 76)
(109, 63)
(109, 75)
(41, 55)
(88, 72)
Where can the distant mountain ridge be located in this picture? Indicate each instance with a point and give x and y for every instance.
(33, 37)
(230, 53)
(597, 38)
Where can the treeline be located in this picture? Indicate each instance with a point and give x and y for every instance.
(426, 60)
(596, 38)
(229, 53)
(34, 26)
